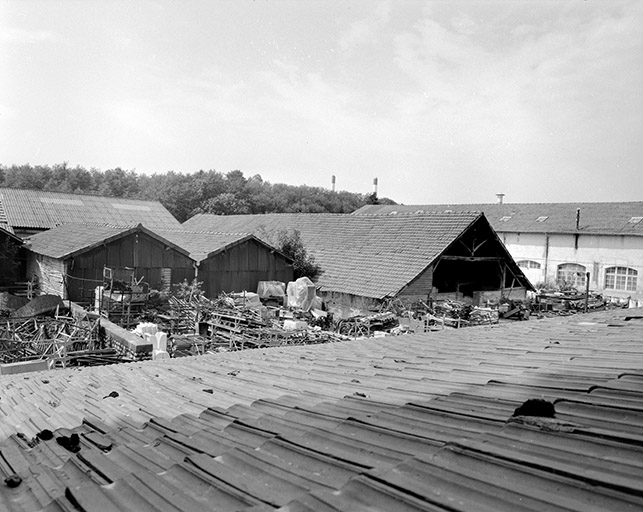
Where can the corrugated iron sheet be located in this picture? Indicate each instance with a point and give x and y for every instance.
(422, 422)
(41, 209)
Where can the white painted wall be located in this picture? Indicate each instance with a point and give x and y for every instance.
(595, 252)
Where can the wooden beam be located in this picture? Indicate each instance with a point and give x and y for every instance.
(475, 249)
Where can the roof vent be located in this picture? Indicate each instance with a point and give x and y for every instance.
(542, 218)
(635, 220)
(419, 211)
(448, 211)
(393, 213)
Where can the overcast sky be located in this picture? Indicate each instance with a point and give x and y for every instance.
(449, 101)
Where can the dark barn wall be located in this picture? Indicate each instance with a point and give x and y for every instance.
(145, 254)
(241, 267)
(12, 260)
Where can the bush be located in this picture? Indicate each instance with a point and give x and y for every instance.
(187, 291)
(291, 245)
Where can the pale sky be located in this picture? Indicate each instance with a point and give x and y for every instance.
(450, 101)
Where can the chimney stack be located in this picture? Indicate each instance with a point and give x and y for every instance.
(500, 198)
(332, 182)
(375, 186)
(577, 218)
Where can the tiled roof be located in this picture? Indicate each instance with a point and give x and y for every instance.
(410, 423)
(365, 256)
(203, 244)
(39, 209)
(596, 218)
(70, 239)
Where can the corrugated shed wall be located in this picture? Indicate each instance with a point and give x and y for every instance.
(241, 267)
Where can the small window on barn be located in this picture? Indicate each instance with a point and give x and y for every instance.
(571, 274)
(528, 264)
(635, 220)
(166, 278)
(542, 218)
(621, 278)
(505, 218)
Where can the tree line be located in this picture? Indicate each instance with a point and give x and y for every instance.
(185, 195)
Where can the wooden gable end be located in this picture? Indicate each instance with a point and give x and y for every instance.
(241, 267)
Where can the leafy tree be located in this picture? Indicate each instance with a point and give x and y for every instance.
(291, 245)
(226, 204)
(184, 195)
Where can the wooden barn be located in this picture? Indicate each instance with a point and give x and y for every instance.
(12, 259)
(231, 262)
(70, 260)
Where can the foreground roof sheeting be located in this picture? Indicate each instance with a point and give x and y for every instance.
(40, 209)
(624, 218)
(365, 256)
(409, 423)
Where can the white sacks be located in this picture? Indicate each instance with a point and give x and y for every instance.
(301, 294)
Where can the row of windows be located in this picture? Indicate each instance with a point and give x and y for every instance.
(573, 274)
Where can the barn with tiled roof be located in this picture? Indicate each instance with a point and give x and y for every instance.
(373, 258)
(562, 242)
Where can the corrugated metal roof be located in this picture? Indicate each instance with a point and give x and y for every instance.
(40, 209)
(595, 218)
(421, 422)
(365, 256)
(71, 239)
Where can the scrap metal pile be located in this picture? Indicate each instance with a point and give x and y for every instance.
(566, 302)
(43, 331)
(236, 322)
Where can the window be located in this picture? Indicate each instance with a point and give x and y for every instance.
(542, 218)
(635, 220)
(505, 218)
(571, 274)
(621, 278)
(528, 264)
